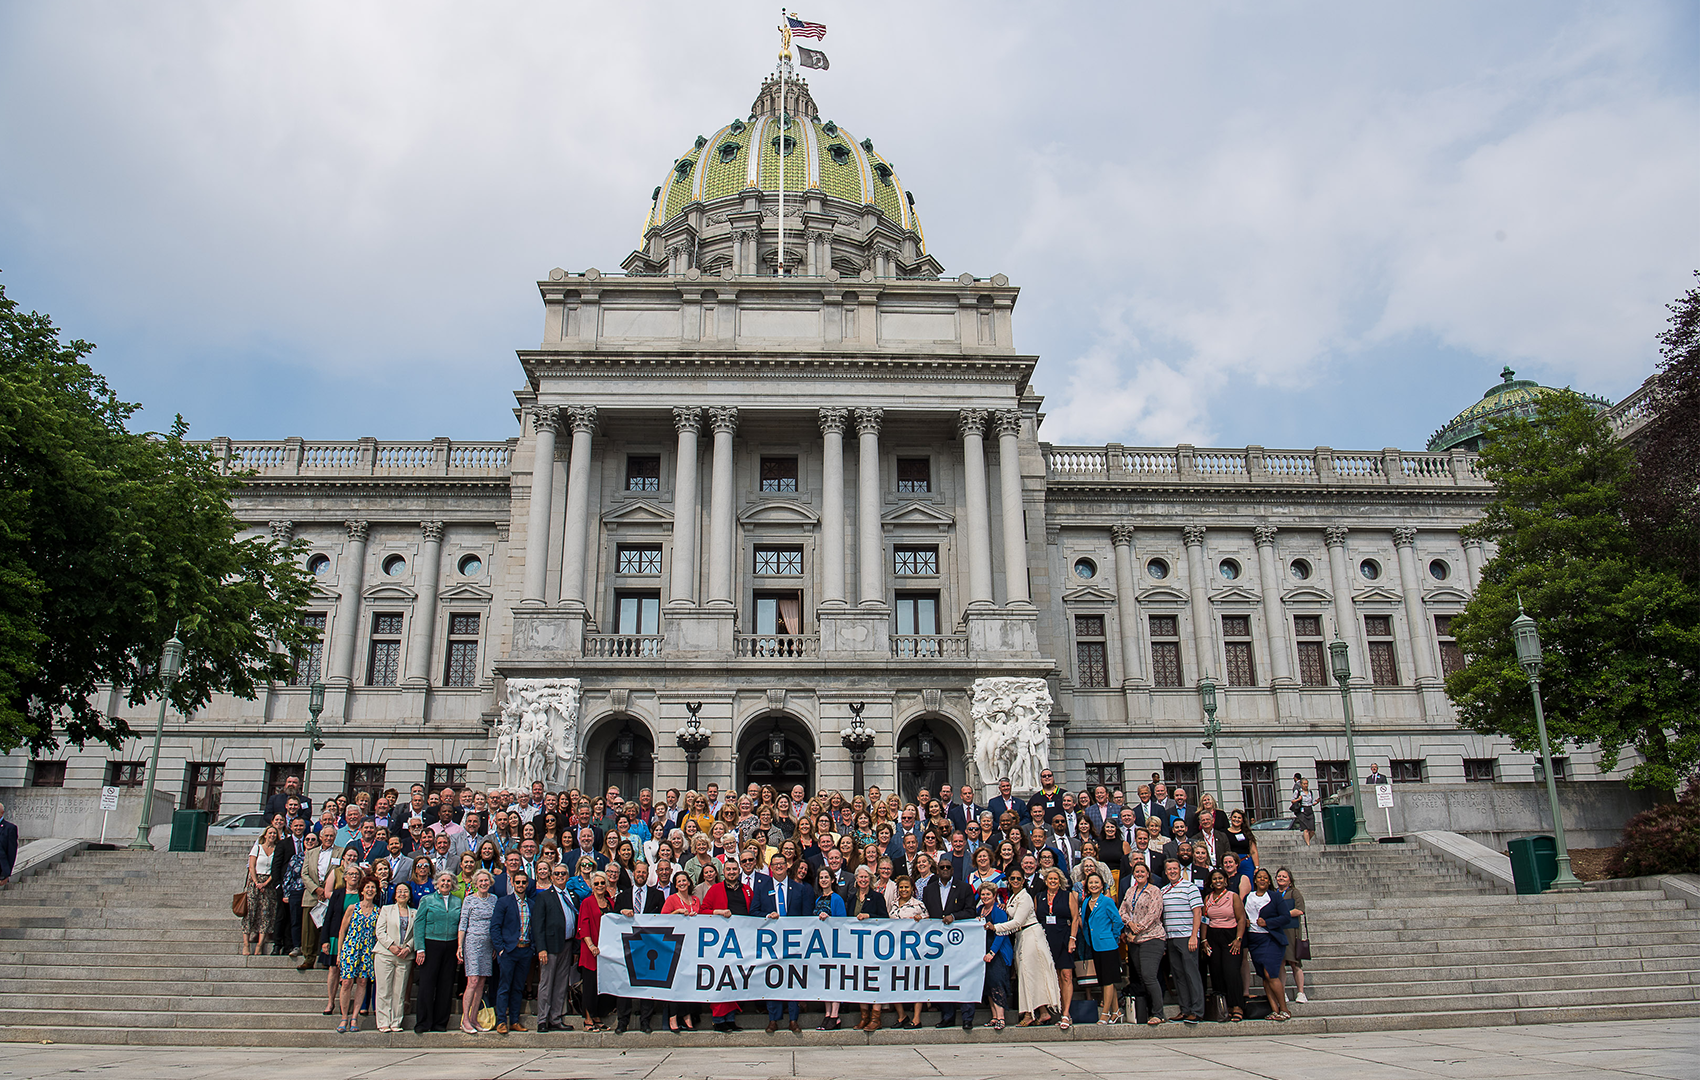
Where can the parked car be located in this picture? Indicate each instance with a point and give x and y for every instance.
(1274, 823)
(239, 825)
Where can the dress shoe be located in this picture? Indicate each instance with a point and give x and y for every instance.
(501, 1029)
(646, 1029)
(727, 1026)
(772, 1027)
(544, 1027)
(968, 1025)
(796, 1028)
(942, 1024)
(620, 1029)
(517, 1027)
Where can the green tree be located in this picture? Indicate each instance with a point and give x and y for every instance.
(108, 541)
(1620, 630)
(1664, 492)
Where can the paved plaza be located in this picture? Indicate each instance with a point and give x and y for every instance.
(1666, 1049)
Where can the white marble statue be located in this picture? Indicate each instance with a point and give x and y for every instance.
(536, 733)
(1012, 730)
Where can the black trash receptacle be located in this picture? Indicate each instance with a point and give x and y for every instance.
(1534, 863)
(1339, 824)
(189, 830)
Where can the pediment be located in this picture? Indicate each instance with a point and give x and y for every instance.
(1446, 594)
(320, 592)
(1378, 592)
(466, 591)
(1235, 594)
(778, 512)
(1089, 594)
(1162, 594)
(918, 513)
(1306, 594)
(638, 512)
(390, 593)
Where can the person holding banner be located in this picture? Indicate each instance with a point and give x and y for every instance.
(784, 896)
(682, 901)
(909, 906)
(828, 904)
(866, 901)
(1000, 954)
(1037, 990)
(947, 898)
(590, 911)
(734, 896)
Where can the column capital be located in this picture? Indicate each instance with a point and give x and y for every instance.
(1008, 422)
(283, 531)
(723, 418)
(356, 531)
(582, 417)
(868, 420)
(834, 420)
(432, 531)
(1264, 535)
(546, 418)
(1404, 536)
(1472, 542)
(1193, 535)
(971, 422)
(1121, 534)
(687, 418)
(1335, 535)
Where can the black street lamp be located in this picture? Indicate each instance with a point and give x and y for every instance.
(1212, 733)
(858, 738)
(693, 739)
(315, 706)
(1527, 640)
(170, 664)
(1341, 662)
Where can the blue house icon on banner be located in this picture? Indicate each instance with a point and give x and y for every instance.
(652, 956)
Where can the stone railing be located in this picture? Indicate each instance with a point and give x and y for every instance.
(1254, 465)
(1632, 413)
(364, 457)
(776, 646)
(623, 646)
(929, 646)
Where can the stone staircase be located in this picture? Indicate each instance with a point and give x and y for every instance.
(118, 947)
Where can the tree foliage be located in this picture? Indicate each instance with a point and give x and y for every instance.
(108, 541)
(1664, 491)
(1620, 631)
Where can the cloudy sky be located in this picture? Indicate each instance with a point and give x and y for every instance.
(1287, 224)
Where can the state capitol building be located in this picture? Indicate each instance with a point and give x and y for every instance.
(786, 488)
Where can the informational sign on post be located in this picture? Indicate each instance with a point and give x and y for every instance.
(1384, 799)
(108, 803)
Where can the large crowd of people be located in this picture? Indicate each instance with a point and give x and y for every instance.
(459, 908)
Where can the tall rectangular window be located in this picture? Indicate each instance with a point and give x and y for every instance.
(1409, 771)
(779, 474)
(1257, 787)
(1313, 654)
(365, 777)
(1383, 662)
(203, 786)
(438, 777)
(637, 612)
(637, 559)
(779, 621)
(643, 472)
(914, 475)
(1479, 770)
(383, 667)
(126, 773)
(1332, 777)
(1236, 648)
(1451, 656)
(912, 560)
(917, 621)
(1091, 656)
(461, 666)
(1165, 651)
(779, 561)
(310, 668)
(47, 774)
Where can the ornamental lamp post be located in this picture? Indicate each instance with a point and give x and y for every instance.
(1340, 661)
(693, 739)
(1527, 640)
(858, 738)
(315, 706)
(1212, 731)
(170, 664)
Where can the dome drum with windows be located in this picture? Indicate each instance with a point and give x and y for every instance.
(717, 209)
(1510, 397)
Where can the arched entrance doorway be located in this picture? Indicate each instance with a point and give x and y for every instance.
(778, 750)
(930, 754)
(621, 754)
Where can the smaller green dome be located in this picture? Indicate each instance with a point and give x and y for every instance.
(1509, 397)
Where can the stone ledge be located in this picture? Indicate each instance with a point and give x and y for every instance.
(1478, 860)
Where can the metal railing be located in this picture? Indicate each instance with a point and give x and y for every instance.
(776, 646)
(622, 646)
(929, 646)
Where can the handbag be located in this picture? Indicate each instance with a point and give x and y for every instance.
(239, 904)
(1301, 948)
(486, 1018)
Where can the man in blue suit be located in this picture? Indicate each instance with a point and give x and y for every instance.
(1005, 800)
(516, 928)
(782, 896)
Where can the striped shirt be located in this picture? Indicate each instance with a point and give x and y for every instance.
(1179, 902)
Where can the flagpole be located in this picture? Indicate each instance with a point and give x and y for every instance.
(784, 54)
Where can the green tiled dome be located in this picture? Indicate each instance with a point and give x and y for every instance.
(1509, 397)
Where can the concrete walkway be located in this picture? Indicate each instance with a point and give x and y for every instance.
(1665, 1049)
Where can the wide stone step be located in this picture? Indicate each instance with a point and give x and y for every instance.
(1589, 901)
(1636, 993)
(1485, 982)
(1415, 940)
(182, 977)
(1442, 965)
(1604, 969)
(229, 1000)
(1523, 924)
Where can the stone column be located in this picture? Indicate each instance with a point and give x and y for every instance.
(1274, 616)
(1198, 586)
(351, 577)
(583, 421)
(832, 423)
(1411, 584)
(688, 420)
(545, 421)
(424, 628)
(1127, 603)
(971, 423)
(1473, 563)
(870, 538)
(723, 419)
(1345, 609)
(1009, 491)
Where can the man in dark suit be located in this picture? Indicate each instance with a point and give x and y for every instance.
(784, 897)
(1148, 808)
(1209, 835)
(961, 813)
(8, 848)
(1005, 801)
(948, 897)
(1140, 852)
(1171, 850)
(639, 899)
(516, 929)
(560, 926)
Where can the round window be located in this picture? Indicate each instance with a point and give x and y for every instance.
(1157, 568)
(394, 566)
(1300, 570)
(319, 565)
(1085, 569)
(1370, 569)
(1229, 569)
(471, 565)
(1439, 570)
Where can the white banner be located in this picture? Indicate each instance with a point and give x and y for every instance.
(739, 958)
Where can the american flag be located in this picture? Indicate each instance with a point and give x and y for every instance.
(799, 28)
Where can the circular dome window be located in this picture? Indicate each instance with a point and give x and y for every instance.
(1157, 568)
(394, 566)
(1370, 569)
(1300, 569)
(1085, 569)
(1229, 569)
(319, 565)
(471, 565)
(1439, 570)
